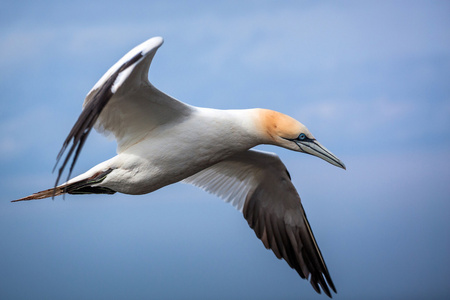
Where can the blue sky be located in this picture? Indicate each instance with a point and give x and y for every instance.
(369, 79)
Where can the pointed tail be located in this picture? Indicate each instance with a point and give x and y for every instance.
(83, 186)
(59, 190)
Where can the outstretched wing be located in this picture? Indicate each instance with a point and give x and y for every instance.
(123, 103)
(258, 184)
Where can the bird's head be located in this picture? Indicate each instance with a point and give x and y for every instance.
(284, 131)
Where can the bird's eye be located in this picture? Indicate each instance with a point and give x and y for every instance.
(302, 137)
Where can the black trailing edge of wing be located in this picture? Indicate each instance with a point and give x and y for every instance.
(292, 243)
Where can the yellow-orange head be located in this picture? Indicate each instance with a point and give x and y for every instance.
(281, 130)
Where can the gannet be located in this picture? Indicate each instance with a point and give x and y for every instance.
(161, 140)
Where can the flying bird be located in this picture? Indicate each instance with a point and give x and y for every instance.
(161, 140)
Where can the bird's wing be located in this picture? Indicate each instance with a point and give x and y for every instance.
(125, 104)
(258, 184)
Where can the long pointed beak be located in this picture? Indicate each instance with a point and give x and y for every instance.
(313, 147)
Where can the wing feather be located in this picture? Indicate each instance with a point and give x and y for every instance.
(123, 103)
(80, 131)
(272, 207)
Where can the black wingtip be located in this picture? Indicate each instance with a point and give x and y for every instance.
(87, 119)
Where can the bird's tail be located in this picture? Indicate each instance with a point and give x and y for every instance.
(83, 186)
(59, 190)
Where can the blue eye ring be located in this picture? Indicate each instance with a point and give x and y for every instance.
(302, 136)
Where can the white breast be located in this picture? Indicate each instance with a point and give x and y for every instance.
(175, 151)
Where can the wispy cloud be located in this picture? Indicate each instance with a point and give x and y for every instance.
(322, 36)
(386, 118)
(319, 36)
(368, 79)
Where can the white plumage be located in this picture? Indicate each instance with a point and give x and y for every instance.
(162, 141)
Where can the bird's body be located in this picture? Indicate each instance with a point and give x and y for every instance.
(154, 162)
(162, 141)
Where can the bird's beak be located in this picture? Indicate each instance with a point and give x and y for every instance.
(313, 147)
